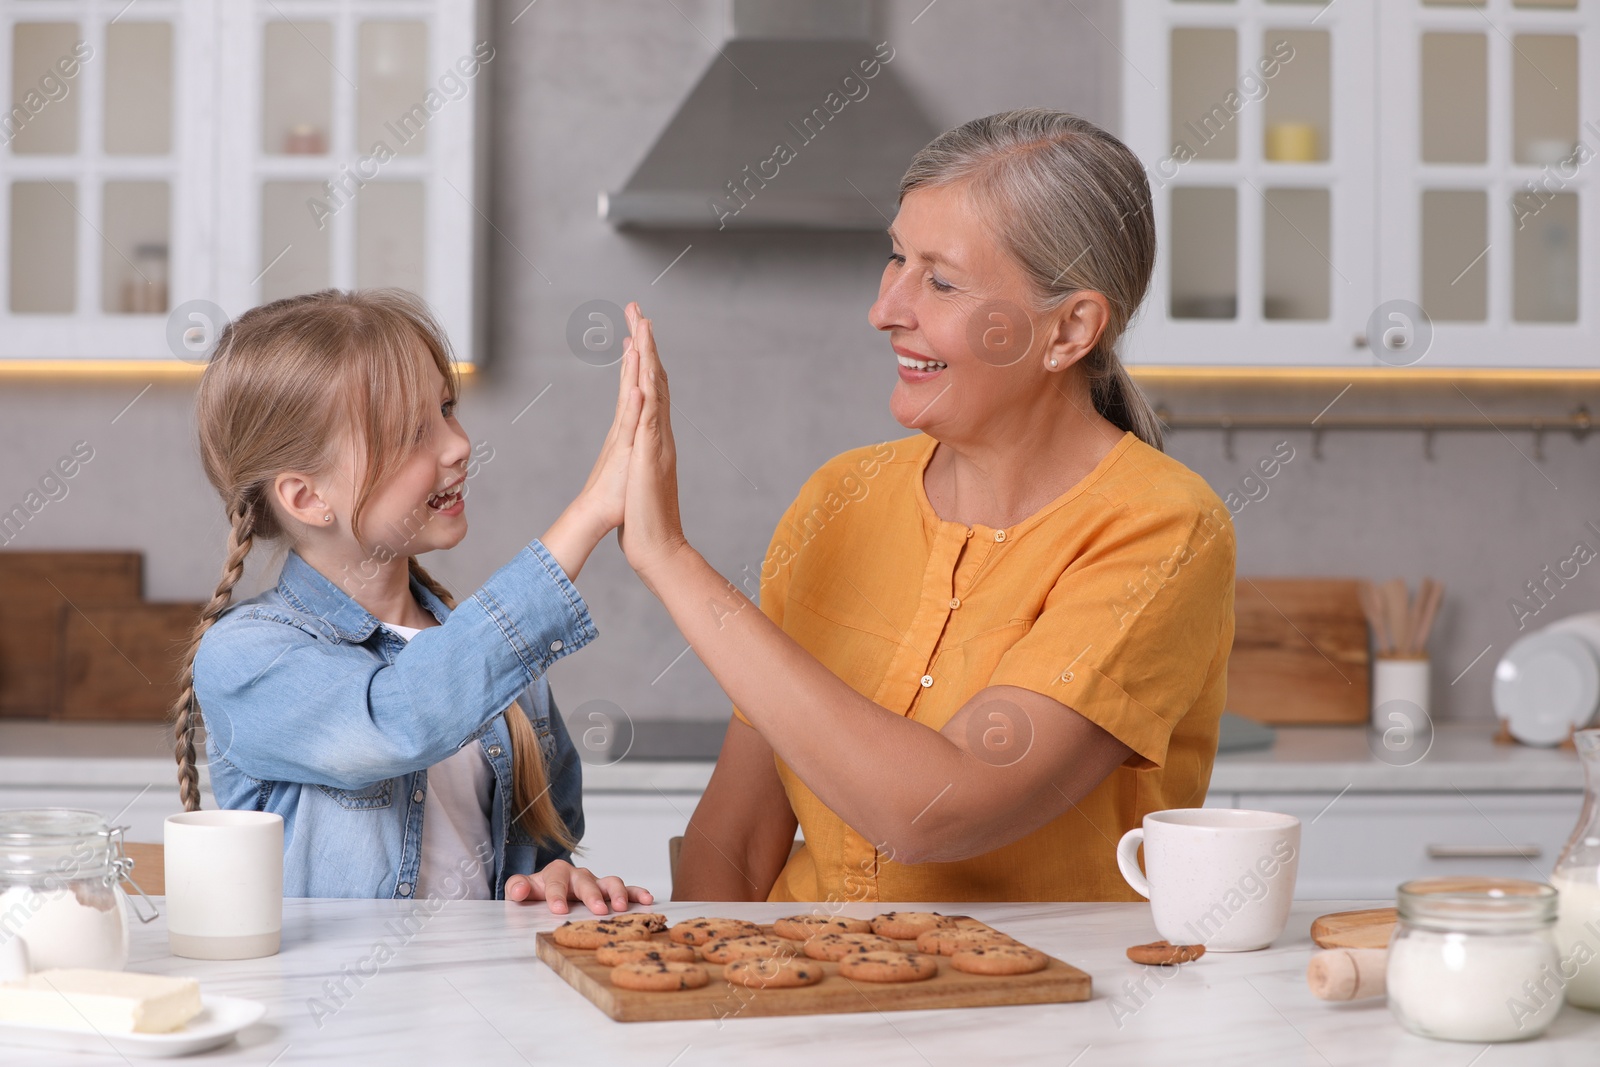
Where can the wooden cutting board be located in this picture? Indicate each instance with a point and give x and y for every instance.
(1354, 929)
(1057, 983)
(34, 587)
(1300, 651)
(120, 662)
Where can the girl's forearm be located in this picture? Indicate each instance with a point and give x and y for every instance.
(867, 764)
(574, 535)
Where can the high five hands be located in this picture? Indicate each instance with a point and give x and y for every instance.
(651, 533)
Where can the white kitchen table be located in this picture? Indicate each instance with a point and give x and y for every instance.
(464, 987)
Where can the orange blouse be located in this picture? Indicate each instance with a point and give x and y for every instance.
(1115, 599)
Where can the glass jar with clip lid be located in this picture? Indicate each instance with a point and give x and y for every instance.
(61, 900)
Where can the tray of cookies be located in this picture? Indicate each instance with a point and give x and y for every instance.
(636, 967)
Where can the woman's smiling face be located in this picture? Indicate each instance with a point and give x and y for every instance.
(954, 306)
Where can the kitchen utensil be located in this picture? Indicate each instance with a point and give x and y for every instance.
(1577, 879)
(1058, 983)
(1546, 686)
(217, 1023)
(1300, 651)
(1400, 627)
(1348, 973)
(1218, 877)
(1368, 928)
(224, 884)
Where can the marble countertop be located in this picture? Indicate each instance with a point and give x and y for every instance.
(1303, 759)
(466, 987)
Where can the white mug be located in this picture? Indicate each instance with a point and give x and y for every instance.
(224, 884)
(1218, 877)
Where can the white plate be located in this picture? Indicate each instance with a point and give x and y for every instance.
(220, 1018)
(1547, 684)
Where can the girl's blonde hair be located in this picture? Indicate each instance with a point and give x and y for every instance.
(1072, 206)
(291, 381)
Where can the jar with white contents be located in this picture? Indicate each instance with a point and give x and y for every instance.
(59, 893)
(1474, 959)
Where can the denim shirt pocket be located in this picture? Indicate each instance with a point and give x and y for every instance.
(379, 795)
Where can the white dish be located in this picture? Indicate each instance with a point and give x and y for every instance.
(1546, 686)
(219, 1020)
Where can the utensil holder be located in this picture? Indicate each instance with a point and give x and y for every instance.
(1399, 678)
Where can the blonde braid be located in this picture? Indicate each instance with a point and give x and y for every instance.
(186, 711)
(530, 780)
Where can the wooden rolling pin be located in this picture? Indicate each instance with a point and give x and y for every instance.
(1348, 973)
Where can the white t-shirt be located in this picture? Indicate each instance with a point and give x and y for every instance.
(455, 818)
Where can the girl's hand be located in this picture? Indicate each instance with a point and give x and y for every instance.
(560, 882)
(603, 494)
(652, 531)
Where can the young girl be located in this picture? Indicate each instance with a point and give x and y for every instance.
(410, 742)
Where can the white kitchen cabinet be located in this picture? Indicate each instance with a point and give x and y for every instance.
(1363, 845)
(168, 164)
(626, 834)
(1366, 183)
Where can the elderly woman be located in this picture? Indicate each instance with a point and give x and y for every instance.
(985, 650)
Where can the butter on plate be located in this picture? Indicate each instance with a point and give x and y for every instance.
(120, 1002)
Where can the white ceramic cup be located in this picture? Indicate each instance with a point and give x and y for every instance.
(224, 884)
(1218, 877)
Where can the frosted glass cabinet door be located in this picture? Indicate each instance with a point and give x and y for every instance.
(1252, 118)
(162, 152)
(90, 142)
(362, 172)
(1487, 187)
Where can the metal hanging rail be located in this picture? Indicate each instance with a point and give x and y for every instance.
(1578, 424)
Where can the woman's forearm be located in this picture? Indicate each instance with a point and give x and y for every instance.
(876, 770)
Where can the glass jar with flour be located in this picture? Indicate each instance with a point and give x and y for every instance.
(60, 901)
(1474, 959)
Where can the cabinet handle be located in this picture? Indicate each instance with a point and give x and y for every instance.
(1484, 852)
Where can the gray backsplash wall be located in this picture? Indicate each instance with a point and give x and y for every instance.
(775, 368)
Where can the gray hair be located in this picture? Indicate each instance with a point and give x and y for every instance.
(1072, 205)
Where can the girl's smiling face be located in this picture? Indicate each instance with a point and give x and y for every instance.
(419, 507)
(422, 506)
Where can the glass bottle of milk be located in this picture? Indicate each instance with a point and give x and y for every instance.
(1577, 878)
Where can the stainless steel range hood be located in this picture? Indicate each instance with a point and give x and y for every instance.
(799, 122)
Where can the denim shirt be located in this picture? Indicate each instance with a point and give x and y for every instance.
(316, 712)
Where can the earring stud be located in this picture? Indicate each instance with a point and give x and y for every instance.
(1052, 362)
(327, 518)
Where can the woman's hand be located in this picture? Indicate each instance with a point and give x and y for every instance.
(652, 531)
(560, 882)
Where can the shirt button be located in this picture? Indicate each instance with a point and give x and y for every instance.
(999, 535)
(405, 889)
(555, 646)
(969, 532)
(927, 680)
(416, 797)
(494, 750)
(955, 602)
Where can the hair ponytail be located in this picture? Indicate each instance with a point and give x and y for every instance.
(530, 779)
(1072, 205)
(186, 711)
